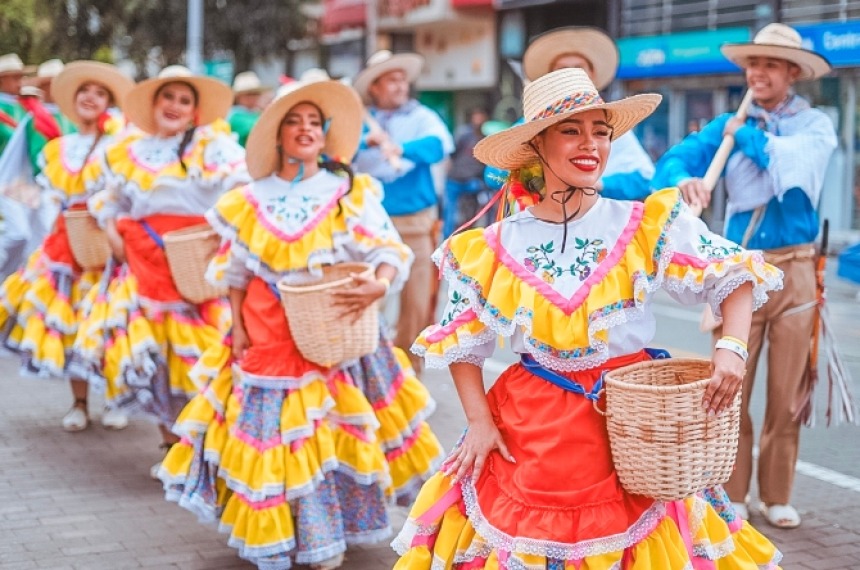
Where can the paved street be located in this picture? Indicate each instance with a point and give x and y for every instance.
(85, 501)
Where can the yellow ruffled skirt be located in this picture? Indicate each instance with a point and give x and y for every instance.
(39, 313)
(141, 353)
(296, 461)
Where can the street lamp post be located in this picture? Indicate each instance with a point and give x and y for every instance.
(194, 37)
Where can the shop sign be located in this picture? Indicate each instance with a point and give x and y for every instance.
(686, 53)
(838, 42)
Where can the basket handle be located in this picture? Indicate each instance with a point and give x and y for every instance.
(597, 408)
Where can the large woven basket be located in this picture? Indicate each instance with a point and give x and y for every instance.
(88, 241)
(320, 335)
(188, 252)
(664, 445)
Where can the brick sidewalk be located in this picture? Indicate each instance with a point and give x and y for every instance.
(85, 501)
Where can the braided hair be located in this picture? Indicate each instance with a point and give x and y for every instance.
(189, 133)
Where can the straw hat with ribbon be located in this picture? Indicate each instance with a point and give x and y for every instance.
(341, 108)
(11, 64)
(214, 97)
(247, 82)
(591, 43)
(381, 63)
(65, 86)
(781, 42)
(552, 98)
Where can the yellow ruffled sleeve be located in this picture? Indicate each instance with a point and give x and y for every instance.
(699, 266)
(372, 236)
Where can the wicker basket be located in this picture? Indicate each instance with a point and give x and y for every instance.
(88, 241)
(188, 252)
(664, 445)
(320, 335)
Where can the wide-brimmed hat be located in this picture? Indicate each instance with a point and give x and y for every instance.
(46, 72)
(781, 42)
(214, 97)
(11, 64)
(247, 82)
(341, 108)
(65, 86)
(381, 63)
(591, 43)
(554, 97)
(311, 75)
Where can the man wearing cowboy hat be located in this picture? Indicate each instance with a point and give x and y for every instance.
(629, 170)
(774, 178)
(404, 140)
(11, 76)
(247, 92)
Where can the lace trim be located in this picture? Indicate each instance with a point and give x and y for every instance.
(562, 551)
(774, 562)
(320, 554)
(368, 536)
(242, 378)
(403, 541)
(459, 352)
(714, 551)
(697, 514)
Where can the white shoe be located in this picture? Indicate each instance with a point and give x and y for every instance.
(113, 418)
(76, 420)
(329, 563)
(153, 471)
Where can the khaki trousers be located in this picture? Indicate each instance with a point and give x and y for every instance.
(418, 296)
(788, 337)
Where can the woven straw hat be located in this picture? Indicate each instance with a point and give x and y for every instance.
(340, 106)
(781, 42)
(591, 43)
(47, 71)
(247, 82)
(549, 99)
(381, 63)
(65, 86)
(214, 97)
(11, 64)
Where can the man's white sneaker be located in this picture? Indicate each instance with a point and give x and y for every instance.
(113, 418)
(153, 471)
(76, 420)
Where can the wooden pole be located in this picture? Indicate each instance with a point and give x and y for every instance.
(712, 175)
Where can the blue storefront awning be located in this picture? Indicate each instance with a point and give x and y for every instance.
(838, 42)
(686, 53)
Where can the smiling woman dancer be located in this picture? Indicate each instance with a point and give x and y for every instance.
(532, 483)
(39, 304)
(295, 459)
(140, 336)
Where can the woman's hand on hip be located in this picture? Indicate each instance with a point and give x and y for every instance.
(353, 301)
(727, 376)
(480, 440)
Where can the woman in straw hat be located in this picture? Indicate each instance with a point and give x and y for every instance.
(140, 337)
(571, 279)
(774, 180)
(39, 303)
(628, 173)
(297, 460)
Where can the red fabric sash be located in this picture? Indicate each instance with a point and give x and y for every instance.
(43, 120)
(147, 260)
(7, 120)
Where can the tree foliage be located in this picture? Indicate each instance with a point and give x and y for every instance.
(146, 30)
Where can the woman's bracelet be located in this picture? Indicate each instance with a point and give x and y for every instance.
(735, 339)
(732, 344)
(385, 281)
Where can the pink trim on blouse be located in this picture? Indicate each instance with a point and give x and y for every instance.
(442, 332)
(692, 261)
(321, 213)
(568, 306)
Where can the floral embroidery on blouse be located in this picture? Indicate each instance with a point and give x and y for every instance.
(457, 304)
(714, 251)
(589, 253)
(283, 209)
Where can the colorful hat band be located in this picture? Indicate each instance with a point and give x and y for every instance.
(571, 102)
